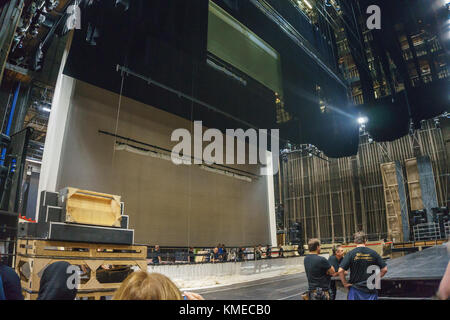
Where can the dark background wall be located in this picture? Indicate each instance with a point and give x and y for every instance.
(167, 41)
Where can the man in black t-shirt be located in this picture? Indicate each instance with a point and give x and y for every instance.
(335, 260)
(366, 269)
(318, 271)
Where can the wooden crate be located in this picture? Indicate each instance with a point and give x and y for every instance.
(33, 256)
(89, 207)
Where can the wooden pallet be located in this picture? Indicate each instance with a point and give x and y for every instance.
(44, 248)
(105, 266)
(418, 244)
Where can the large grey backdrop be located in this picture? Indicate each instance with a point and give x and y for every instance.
(168, 205)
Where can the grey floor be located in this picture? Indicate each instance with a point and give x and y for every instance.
(427, 264)
(287, 287)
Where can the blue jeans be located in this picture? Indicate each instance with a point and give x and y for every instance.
(355, 294)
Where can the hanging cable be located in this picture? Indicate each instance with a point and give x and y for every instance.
(117, 119)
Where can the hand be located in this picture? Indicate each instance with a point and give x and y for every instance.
(347, 285)
(193, 296)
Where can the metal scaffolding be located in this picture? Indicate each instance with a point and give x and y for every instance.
(333, 198)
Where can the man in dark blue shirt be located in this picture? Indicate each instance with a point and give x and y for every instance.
(156, 255)
(10, 284)
(335, 260)
(366, 268)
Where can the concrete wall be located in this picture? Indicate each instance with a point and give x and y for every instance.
(169, 205)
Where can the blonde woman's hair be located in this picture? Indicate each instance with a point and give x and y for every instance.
(141, 285)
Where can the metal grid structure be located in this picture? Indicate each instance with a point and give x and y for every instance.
(427, 231)
(333, 198)
(447, 229)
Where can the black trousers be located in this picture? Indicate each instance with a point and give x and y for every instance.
(333, 290)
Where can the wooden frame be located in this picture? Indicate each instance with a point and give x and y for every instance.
(33, 256)
(46, 248)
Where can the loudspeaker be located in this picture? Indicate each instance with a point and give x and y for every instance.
(418, 217)
(295, 234)
(441, 217)
(47, 199)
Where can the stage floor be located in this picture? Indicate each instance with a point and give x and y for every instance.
(429, 264)
(426, 264)
(287, 287)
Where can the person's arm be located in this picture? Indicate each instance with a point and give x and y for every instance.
(159, 258)
(193, 296)
(383, 271)
(331, 271)
(382, 265)
(343, 280)
(345, 264)
(444, 287)
(335, 272)
(326, 265)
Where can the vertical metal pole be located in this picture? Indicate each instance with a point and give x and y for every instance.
(11, 115)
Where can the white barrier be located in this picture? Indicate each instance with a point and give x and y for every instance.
(216, 273)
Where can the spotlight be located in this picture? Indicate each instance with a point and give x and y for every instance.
(46, 109)
(363, 120)
(308, 4)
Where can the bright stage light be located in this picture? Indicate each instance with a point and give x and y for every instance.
(308, 4)
(363, 120)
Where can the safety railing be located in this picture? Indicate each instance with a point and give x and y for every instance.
(183, 255)
(447, 229)
(426, 231)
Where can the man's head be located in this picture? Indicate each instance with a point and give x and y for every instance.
(339, 252)
(157, 247)
(314, 245)
(360, 238)
(216, 250)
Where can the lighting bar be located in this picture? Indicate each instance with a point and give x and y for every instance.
(308, 4)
